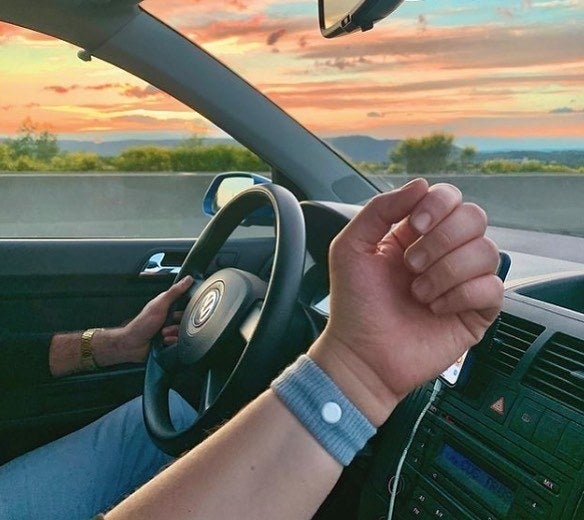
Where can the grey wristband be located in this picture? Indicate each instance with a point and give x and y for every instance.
(318, 403)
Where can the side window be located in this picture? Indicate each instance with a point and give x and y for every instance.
(87, 150)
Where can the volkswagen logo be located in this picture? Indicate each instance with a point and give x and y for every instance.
(206, 306)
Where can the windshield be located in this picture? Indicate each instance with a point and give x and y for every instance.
(486, 95)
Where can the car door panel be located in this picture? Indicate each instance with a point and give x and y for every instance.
(68, 285)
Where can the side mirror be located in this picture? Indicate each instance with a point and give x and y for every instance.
(225, 186)
(339, 17)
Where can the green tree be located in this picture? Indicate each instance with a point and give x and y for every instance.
(194, 141)
(77, 162)
(467, 156)
(422, 155)
(144, 159)
(40, 145)
(215, 158)
(6, 157)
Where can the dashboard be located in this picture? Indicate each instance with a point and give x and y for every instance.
(510, 444)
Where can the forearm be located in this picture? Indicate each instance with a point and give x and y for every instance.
(262, 464)
(65, 351)
(24, 359)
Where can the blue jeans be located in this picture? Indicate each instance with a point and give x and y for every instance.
(87, 471)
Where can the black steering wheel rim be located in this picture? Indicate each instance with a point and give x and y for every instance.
(261, 358)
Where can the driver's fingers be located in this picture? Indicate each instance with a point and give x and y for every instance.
(177, 316)
(440, 201)
(171, 330)
(472, 260)
(170, 340)
(484, 293)
(466, 222)
(176, 290)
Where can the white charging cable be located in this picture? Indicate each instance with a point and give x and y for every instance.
(394, 486)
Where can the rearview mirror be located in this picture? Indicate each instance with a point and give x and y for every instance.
(339, 17)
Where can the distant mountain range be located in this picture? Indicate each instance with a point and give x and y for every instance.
(358, 148)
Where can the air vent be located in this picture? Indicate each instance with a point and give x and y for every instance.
(514, 336)
(558, 370)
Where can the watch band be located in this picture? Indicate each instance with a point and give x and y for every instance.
(87, 359)
(322, 408)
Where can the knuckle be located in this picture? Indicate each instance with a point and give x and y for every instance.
(443, 238)
(466, 294)
(448, 270)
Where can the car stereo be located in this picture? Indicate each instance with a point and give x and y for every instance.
(489, 459)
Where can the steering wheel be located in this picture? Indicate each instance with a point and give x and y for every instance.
(233, 329)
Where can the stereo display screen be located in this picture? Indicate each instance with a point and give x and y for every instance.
(496, 495)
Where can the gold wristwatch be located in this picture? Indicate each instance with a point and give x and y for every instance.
(87, 359)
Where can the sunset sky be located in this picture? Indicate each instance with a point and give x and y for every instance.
(497, 74)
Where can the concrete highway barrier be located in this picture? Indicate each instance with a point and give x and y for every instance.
(169, 204)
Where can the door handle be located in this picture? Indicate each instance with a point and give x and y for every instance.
(154, 266)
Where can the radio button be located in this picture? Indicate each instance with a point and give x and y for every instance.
(421, 496)
(419, 445)
(435, 476)
(415, 460)
(441, 513)
(415, 511)
(525, 418)
(549, 484)
(549, 431)
(428, 429)
(535, 506)
(571, 445)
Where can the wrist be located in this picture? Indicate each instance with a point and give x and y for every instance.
(360, 383)
(107, 346)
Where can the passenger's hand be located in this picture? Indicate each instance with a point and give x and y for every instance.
(139, 332)
(413, 286)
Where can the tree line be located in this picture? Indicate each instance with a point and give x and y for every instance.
(38, 150)
(436, 153)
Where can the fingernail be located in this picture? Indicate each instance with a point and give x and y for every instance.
(421, 288)
(408, 184)
(417, 260)
(421, 222)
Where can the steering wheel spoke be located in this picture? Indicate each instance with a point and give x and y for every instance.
(250, 322)
(214, 380)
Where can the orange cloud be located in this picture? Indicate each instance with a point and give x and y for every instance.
(124, 89)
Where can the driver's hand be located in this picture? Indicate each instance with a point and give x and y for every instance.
(138, 333)
(413, 286)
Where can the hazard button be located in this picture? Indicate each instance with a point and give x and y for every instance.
(499, 406)
(499, 403)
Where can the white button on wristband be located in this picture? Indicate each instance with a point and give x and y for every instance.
(318, 403)
(331, 412)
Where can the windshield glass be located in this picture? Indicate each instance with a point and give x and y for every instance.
(485, 94)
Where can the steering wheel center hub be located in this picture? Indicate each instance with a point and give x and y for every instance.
(205, 307)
